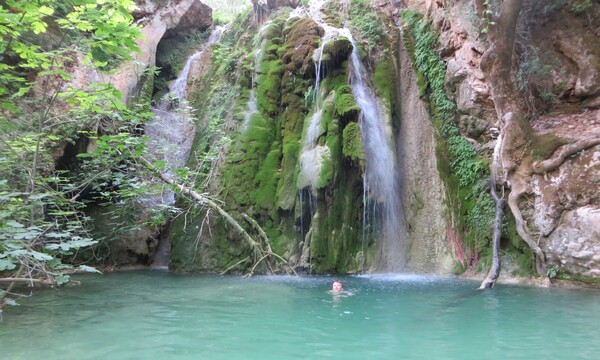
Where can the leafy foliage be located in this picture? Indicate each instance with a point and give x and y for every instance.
(42, 225)
(365, 21)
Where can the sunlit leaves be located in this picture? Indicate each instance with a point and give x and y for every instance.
(95, 28)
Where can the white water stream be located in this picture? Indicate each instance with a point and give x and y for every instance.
(380, 180)
(381, 189)
(171, 135)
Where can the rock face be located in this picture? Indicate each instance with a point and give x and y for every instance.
(196, 17)
(566, 201)
(274, 4)
(422, 189)
(557, 72)
(178, 17)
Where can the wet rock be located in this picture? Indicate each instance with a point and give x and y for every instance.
(303, 36)
(335, 52)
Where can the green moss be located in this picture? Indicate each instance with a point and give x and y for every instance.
(269, 87)
(286, 190)
(383, 79)
(259, 174)
(245, 160)
(345, 106)
(352, 145)
(335, 241)
(267, 179)
(336, 51)
(326, 173)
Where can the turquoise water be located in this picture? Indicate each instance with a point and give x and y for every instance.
(157, 315)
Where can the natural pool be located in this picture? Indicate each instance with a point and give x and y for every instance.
(157, 315)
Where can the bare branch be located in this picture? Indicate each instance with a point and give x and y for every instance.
(15, 280)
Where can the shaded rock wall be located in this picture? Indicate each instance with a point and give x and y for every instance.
(429, 250)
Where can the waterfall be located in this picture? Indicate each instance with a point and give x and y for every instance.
(252, 105)
(382, 206)
(380, 175)
(178, 87)
(314, 155)
(171, 135)
(317, 62)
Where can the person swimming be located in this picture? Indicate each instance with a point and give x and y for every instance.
(337, 288)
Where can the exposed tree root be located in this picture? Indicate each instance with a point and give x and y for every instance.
(258, 253)
(521, 226)
(234, 265)
(511, 161)
(541, 167)
(494, 273)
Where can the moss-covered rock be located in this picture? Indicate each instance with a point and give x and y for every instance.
(260, 175)
(303, 36)
(345, 106)
(335, 52)
(352, 145)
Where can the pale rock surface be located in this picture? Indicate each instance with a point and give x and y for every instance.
(178, 18)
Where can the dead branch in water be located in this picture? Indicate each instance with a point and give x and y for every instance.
(258, 253)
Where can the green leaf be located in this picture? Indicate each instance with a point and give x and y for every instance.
(74, 244)
(14, 224)
(38, 27)
(7, 265)
(62, 279)
(89, 269)
(39, 256)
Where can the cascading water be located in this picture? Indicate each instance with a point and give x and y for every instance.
(313, 157)
(252, 105)
(178, 87)
(380, 180)
(382, 206)
(171, 134)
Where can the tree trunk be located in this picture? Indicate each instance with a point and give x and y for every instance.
(508, 168)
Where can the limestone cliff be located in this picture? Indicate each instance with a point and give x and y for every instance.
(279, 124)
(557, 70)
